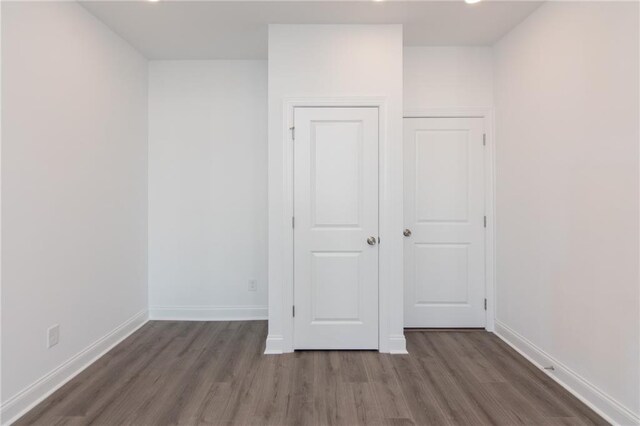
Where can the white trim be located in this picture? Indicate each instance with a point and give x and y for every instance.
(489, 193)
(387, 341)
(397, 344)
(25, 400)
(274, 345)
(207, 313)
(606, 406)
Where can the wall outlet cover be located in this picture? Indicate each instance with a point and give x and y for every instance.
(53, 335)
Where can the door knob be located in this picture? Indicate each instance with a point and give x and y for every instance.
(371, 241)
(407, 232)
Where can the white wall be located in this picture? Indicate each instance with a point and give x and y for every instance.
(74, 193)
(207, 189)
(567, 196)
(447, 77)
(329, 61)
(200, 140)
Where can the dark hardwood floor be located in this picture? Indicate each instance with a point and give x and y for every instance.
(194, 373)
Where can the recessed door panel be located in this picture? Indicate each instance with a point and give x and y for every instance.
(442, 274)
(442, 179)
(336, 286)
(336, 193)
(444, 209)
(336, 212)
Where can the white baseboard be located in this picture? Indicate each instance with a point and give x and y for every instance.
(603, 404)
(397, 345)
(274, 345)
(208, 313)
(18, 405)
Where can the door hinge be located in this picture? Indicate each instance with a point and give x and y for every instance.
(293, 222)
(293, 132)
(484, 139)
(485, 221)
(294, 311)
(485, 304)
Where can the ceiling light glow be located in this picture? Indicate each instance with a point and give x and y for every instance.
(472, 1)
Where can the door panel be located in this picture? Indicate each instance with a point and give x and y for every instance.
(444, 209)
(442, 168)
(336, 189)
(442, 272)
(336, 210)
(335, 281)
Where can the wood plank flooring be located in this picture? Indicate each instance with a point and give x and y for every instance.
(214, 373)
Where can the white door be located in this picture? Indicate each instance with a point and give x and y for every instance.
(336, 212)
(444, 215)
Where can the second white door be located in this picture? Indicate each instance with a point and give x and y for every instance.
(444, 214)
(336, 228)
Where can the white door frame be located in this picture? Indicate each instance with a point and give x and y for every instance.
(489, 193)
(387, 313)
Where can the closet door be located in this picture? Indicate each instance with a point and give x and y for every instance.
(444, 251)
(336, 228)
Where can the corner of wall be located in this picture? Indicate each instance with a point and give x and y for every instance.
(606, 406)
(32, 395)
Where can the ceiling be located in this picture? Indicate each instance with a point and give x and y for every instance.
(238, 29)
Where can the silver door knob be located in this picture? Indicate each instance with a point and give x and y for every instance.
(371, 241)
(407, 232)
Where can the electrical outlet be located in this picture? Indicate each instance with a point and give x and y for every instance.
(253, 285)
(53, 335)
